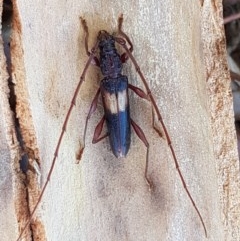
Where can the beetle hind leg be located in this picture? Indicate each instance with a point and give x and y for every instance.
(156, 127)
(142, 137)
(98, 131)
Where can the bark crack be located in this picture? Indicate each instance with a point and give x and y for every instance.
(26, 170)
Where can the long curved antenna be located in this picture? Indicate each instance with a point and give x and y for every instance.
(73, 102)
(122, 42)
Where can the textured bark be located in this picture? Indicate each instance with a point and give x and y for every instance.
(7, 212)
(10, 189)
(180, 48)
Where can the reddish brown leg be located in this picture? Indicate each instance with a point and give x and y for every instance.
(98, 131)
(91, 111)
(124, 56)
(138, 91)
(64, 126)
(122, 42)
(157, 129)
(95, 60)
(142, 137)
(142, 94)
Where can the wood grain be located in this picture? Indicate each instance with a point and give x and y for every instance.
(180, 48)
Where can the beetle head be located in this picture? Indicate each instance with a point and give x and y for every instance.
(105, 39)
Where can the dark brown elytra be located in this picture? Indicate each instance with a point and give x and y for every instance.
(123, 40)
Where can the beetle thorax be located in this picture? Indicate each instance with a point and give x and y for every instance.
(110, 61)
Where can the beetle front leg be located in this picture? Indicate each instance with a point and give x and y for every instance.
(95, 60)
(124, 56)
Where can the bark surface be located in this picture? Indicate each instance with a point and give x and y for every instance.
(180, 48)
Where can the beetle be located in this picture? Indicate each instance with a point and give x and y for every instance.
(114, 91)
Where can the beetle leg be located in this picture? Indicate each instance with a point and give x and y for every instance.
(155, 127)
(143, 95)
(91, 111)
(142, 137)
(95, 60)
(98, 131)
(138, 91)
(124, 56)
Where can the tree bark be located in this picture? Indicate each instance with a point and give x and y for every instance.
(180, 47)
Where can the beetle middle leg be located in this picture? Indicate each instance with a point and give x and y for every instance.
(91, 111)
(138, 91)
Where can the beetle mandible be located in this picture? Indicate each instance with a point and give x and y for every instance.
(114, 91)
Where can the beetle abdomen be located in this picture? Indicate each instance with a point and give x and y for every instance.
(116, 106)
